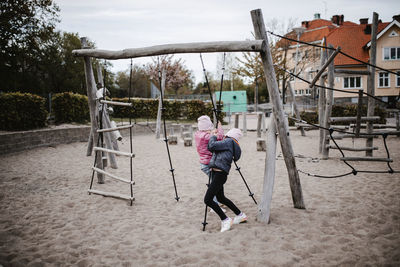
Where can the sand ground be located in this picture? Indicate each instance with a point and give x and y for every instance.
(48, 219)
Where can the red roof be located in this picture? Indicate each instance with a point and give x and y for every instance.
(349, 36)
(318, 23)
(315, 30)
(352, 40)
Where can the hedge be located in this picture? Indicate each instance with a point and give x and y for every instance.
(351, 111)
(174, 110)
(343, 111)
(22, 111)
(70, 107)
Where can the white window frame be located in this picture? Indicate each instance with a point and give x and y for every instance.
(379, 79)
(397, 53)
(355, 87)
(397, 78)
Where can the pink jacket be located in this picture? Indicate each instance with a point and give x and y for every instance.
(201, 138)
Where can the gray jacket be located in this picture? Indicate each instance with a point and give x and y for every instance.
(223, 153)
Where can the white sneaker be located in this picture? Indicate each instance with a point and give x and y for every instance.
(226, 224)
(241, 218)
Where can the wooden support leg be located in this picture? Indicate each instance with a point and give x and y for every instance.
(286, 145)
(269, 173)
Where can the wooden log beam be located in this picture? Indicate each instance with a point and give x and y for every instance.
(350, 119)
(110, 194)
(182, 48)
(366, 159)
(116, 103)
(330, 59)
(269, 173)
(360, 136)
(115, 129)
(113, 176)
(387, 132)
(352, 72)
(126, 154)
(376, 126)
(354, 148)
(283, 129)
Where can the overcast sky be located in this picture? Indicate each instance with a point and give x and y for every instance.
(120, 24)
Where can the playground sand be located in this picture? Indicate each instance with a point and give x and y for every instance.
(48, 219)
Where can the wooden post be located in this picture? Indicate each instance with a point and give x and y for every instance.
(159, 112)
(236, 120)
(286, 145)
(259, 118)
(269, 173)
(90, 142)
(371, 82)
(93, 107)
(322, 102)
(328, 108)
(263, 122)
(109, 140)
(244, 124)
(324, 66)
(359, 108)
(296, 110)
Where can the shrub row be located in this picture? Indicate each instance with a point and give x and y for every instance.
(351, 111)
(70, 107)
(174, 110)
(22, 111)
(342, 111)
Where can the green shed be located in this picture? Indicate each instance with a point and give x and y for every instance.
(234, 101)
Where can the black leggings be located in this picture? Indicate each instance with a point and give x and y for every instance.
(216, 188)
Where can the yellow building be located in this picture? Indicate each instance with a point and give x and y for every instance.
(354, 39)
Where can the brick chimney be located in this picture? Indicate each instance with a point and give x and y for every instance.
(335, 19)
(364, 21)
(396, 17)
(338, 20)
(367, 29)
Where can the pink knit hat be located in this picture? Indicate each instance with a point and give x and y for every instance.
(234, 133)
(204, 123)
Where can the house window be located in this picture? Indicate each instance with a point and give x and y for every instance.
(391, 53)
(352, 82)
(398, 79)
(383, 79)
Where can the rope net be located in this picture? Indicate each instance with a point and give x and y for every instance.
(353, 171)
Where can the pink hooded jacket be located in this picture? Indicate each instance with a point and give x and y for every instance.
(201, 138)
